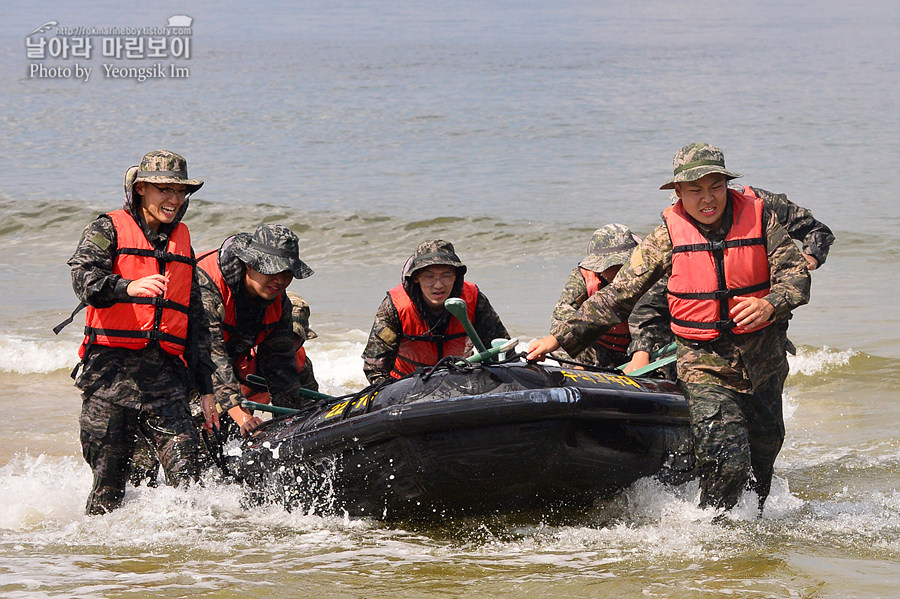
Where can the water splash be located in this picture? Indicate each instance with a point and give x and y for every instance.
(811, 361)
(27, 356)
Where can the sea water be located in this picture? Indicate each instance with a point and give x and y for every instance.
(512, 129)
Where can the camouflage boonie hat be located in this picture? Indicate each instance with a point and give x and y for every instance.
(270, 250)
(697, 160)
(300, 316)
(610, 245)
(434, 252)
(161, 166)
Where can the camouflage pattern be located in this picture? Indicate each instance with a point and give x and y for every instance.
(729, 365)
(270, 250)
(738, 362)
(162, 166)
(610, 245)
(694, 161)
(384, 338)
(300, 317)
(127, 391)
(108, 434)
(275, 355)
(649, 321)
(573, 295)
(737, 438)
(430, 253)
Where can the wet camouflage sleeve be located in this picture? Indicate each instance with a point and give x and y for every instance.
(225, 384)
(92, 266)
(277, 363)
(383, 344)
(197, 351)
(788, 274)
(815, 236)
(650, 261)
(573, 295)
(487, 322)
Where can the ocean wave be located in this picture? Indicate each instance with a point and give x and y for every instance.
(811, 361)
(326, 237)
(27, 356)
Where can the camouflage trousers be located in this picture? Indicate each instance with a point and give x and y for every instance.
(108, 436)
(737, 437)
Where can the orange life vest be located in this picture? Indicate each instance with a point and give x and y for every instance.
(209, 263)
(247, 365)
(706, 276)
(135, 322)
(618, 337)
(418, 346)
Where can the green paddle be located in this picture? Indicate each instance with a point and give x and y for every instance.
(661, 357)
(255, 378)
(252, 405)
(457, 307)
(500, 346)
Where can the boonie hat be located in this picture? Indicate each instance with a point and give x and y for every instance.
(300, 316)
(434, 252)
(610, 245)
(697, 160)
(161, 166)
(270, 250)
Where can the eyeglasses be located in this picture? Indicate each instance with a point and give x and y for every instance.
(169, 192)
(430, 279)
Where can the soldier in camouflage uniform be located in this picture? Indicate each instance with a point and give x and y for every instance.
(243, 288)
(732, 382)
(130, 390)
(649, 322)
(300, 321)
(609, 248)
(432, 274)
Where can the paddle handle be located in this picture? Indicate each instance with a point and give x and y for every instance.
(255, 378)
(457, 307)
(252, 405)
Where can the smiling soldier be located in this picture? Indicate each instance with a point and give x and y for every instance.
(244, 289)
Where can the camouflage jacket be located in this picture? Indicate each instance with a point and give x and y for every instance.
(274, 356)
(649, 321)
(738, 362)
(384, 339)
(573, 295)
(95, 284)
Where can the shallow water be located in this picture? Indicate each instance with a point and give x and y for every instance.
(513, 130)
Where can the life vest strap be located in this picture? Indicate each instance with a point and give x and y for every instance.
(159, 301)
(719, 325)
(152, 335)
(721, 245)
(719, 294)
(432, 338)
(81, 306)
(158, 254)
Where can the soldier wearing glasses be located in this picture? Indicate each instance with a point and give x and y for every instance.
(146, 345)
(412, 329)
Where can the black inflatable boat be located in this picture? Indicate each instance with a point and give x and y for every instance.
(471, 439)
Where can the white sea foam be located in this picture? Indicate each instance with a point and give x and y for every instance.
(337, 361)
(810, 361)
(27, 356)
